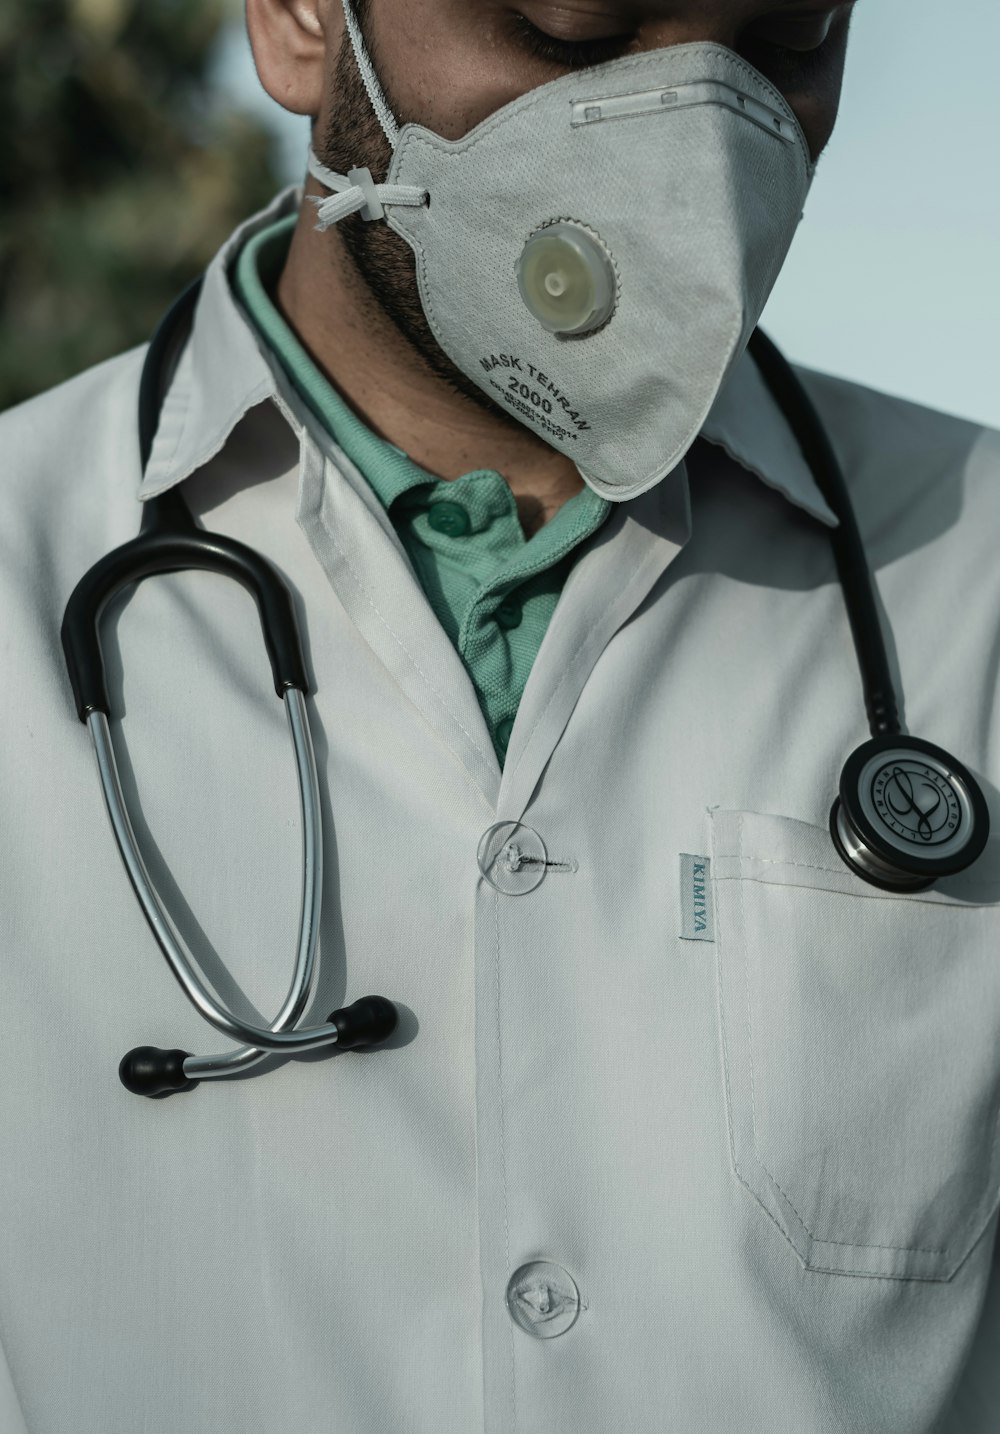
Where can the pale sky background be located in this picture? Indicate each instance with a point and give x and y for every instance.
(894, 277)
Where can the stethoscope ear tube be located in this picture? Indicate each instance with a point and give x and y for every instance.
(167, 333)
(151, 1071)
(170, 542)
(164, 551)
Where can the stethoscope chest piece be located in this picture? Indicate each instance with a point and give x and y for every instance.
(907, 814)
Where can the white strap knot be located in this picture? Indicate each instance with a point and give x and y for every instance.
(356, 192)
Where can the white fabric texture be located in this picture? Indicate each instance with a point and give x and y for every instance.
(767, 1162)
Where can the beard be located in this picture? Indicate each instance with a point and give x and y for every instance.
(382, 259)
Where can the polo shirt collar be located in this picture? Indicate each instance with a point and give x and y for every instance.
(223, 373)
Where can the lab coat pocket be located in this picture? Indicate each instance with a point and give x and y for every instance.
(861, 1049)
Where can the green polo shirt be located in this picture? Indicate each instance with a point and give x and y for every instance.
(492, 589)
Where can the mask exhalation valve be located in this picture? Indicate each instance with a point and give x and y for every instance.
(567, 278)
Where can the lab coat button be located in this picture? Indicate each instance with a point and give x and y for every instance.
(543, 1299)
(512, 857)
(449, 518)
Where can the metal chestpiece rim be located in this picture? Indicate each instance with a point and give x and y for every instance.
(908, 813)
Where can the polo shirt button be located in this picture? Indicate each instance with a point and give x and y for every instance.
(543, 1299)
(509, 613)
(449, 518)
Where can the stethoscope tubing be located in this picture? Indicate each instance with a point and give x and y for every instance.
(853, 569)
(278, 1036)
(170, 541)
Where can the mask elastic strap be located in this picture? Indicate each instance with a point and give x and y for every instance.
(385, 116)
(356, 192)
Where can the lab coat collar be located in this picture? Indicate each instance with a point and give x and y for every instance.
(746, 421)
(223, 373)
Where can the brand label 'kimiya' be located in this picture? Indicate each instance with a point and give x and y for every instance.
(697, 922)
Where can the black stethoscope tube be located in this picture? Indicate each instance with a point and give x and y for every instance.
(174, 323)
(848, 550)
(165, 551)
(170, 542)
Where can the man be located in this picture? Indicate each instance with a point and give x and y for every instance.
(685, 1124)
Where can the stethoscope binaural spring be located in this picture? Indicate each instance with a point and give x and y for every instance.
(906, 813)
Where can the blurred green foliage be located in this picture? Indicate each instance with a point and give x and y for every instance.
(120, 175)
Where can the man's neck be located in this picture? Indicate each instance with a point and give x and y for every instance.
(361, 352)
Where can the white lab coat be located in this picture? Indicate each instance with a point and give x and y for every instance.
(768, 1162)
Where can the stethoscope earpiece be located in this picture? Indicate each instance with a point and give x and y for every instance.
(907, 814)
(149, 1070)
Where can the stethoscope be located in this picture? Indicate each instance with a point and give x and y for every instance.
(906, 814)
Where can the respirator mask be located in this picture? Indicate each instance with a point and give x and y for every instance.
(595, 255)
